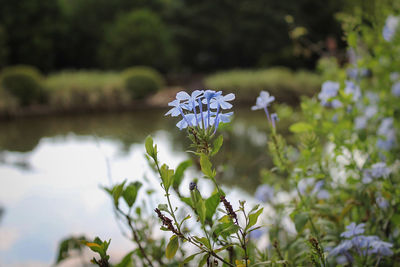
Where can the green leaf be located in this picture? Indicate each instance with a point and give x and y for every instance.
(300, 127)
(225, 229)
(166, 176)
(184, 219)
(218, 250)
(95, 247)
(69, 244)
(163, 207)
(126, 261)
(203, 240)
(396, 219)
(217, 145)
(300, 220)
(253, 218)
(180, 170)
(225, 219)
(117, 192)
(187, 201)
(201, 210)
(149, 146)
(172, 247)
(130, 193)
(203, 260)
(188, 259)
(206, 166)
(211, 206)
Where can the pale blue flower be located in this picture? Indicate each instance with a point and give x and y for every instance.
(343, 247)
(225, 117)
(390, 28)
(380, 170)
(386, 127)
(363, 245)
(353, 230)
(381, 202)
(356, 73)
(274, 119)
(208, 95)
(394, 76)
(264, 193)
(362, 241)
(377, 170)
(305, 184)
(190, 107)
(176, 110)
(335, 103)
(370, 111)
(329, 90)
(396, 89)
(360, 122)
(256, 234)
(386, 144)
(382, 248)
(190, 100)
(319, 191)
(222, 101)
(220, 117)
(353, 89)
(263, 101)
(343, 260)
(367, 178)
(186, 121)
(372, 97)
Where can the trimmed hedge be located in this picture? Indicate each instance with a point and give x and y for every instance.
(24, 83)
(284, 84)
(142, 81)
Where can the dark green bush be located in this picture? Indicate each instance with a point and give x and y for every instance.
(24, 83)
(142, 81)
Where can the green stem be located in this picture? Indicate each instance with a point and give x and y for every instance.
(314, 229)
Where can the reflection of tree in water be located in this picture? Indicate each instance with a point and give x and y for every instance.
(245, 151)
(242, 156)
(2, 211)
(22, 135)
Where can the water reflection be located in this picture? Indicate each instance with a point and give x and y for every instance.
(51, 169)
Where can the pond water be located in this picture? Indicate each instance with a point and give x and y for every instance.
(51, 170)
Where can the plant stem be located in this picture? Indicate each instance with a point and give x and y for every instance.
(314, 229)
(136, 237)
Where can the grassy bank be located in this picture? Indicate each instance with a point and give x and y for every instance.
(74, 91)
(286, 85)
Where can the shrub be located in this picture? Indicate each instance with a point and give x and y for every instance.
(24, 83)
(142, 81)
(286, 85)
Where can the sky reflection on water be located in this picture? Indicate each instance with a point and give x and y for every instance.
(51, 172)
(60, 194)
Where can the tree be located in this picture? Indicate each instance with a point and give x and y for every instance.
(137, 38)
(31, 26)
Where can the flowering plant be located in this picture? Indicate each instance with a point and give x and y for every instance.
(332, 197)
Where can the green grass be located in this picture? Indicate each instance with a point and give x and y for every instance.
(284, 84)
(85, 88)
(85, 80)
